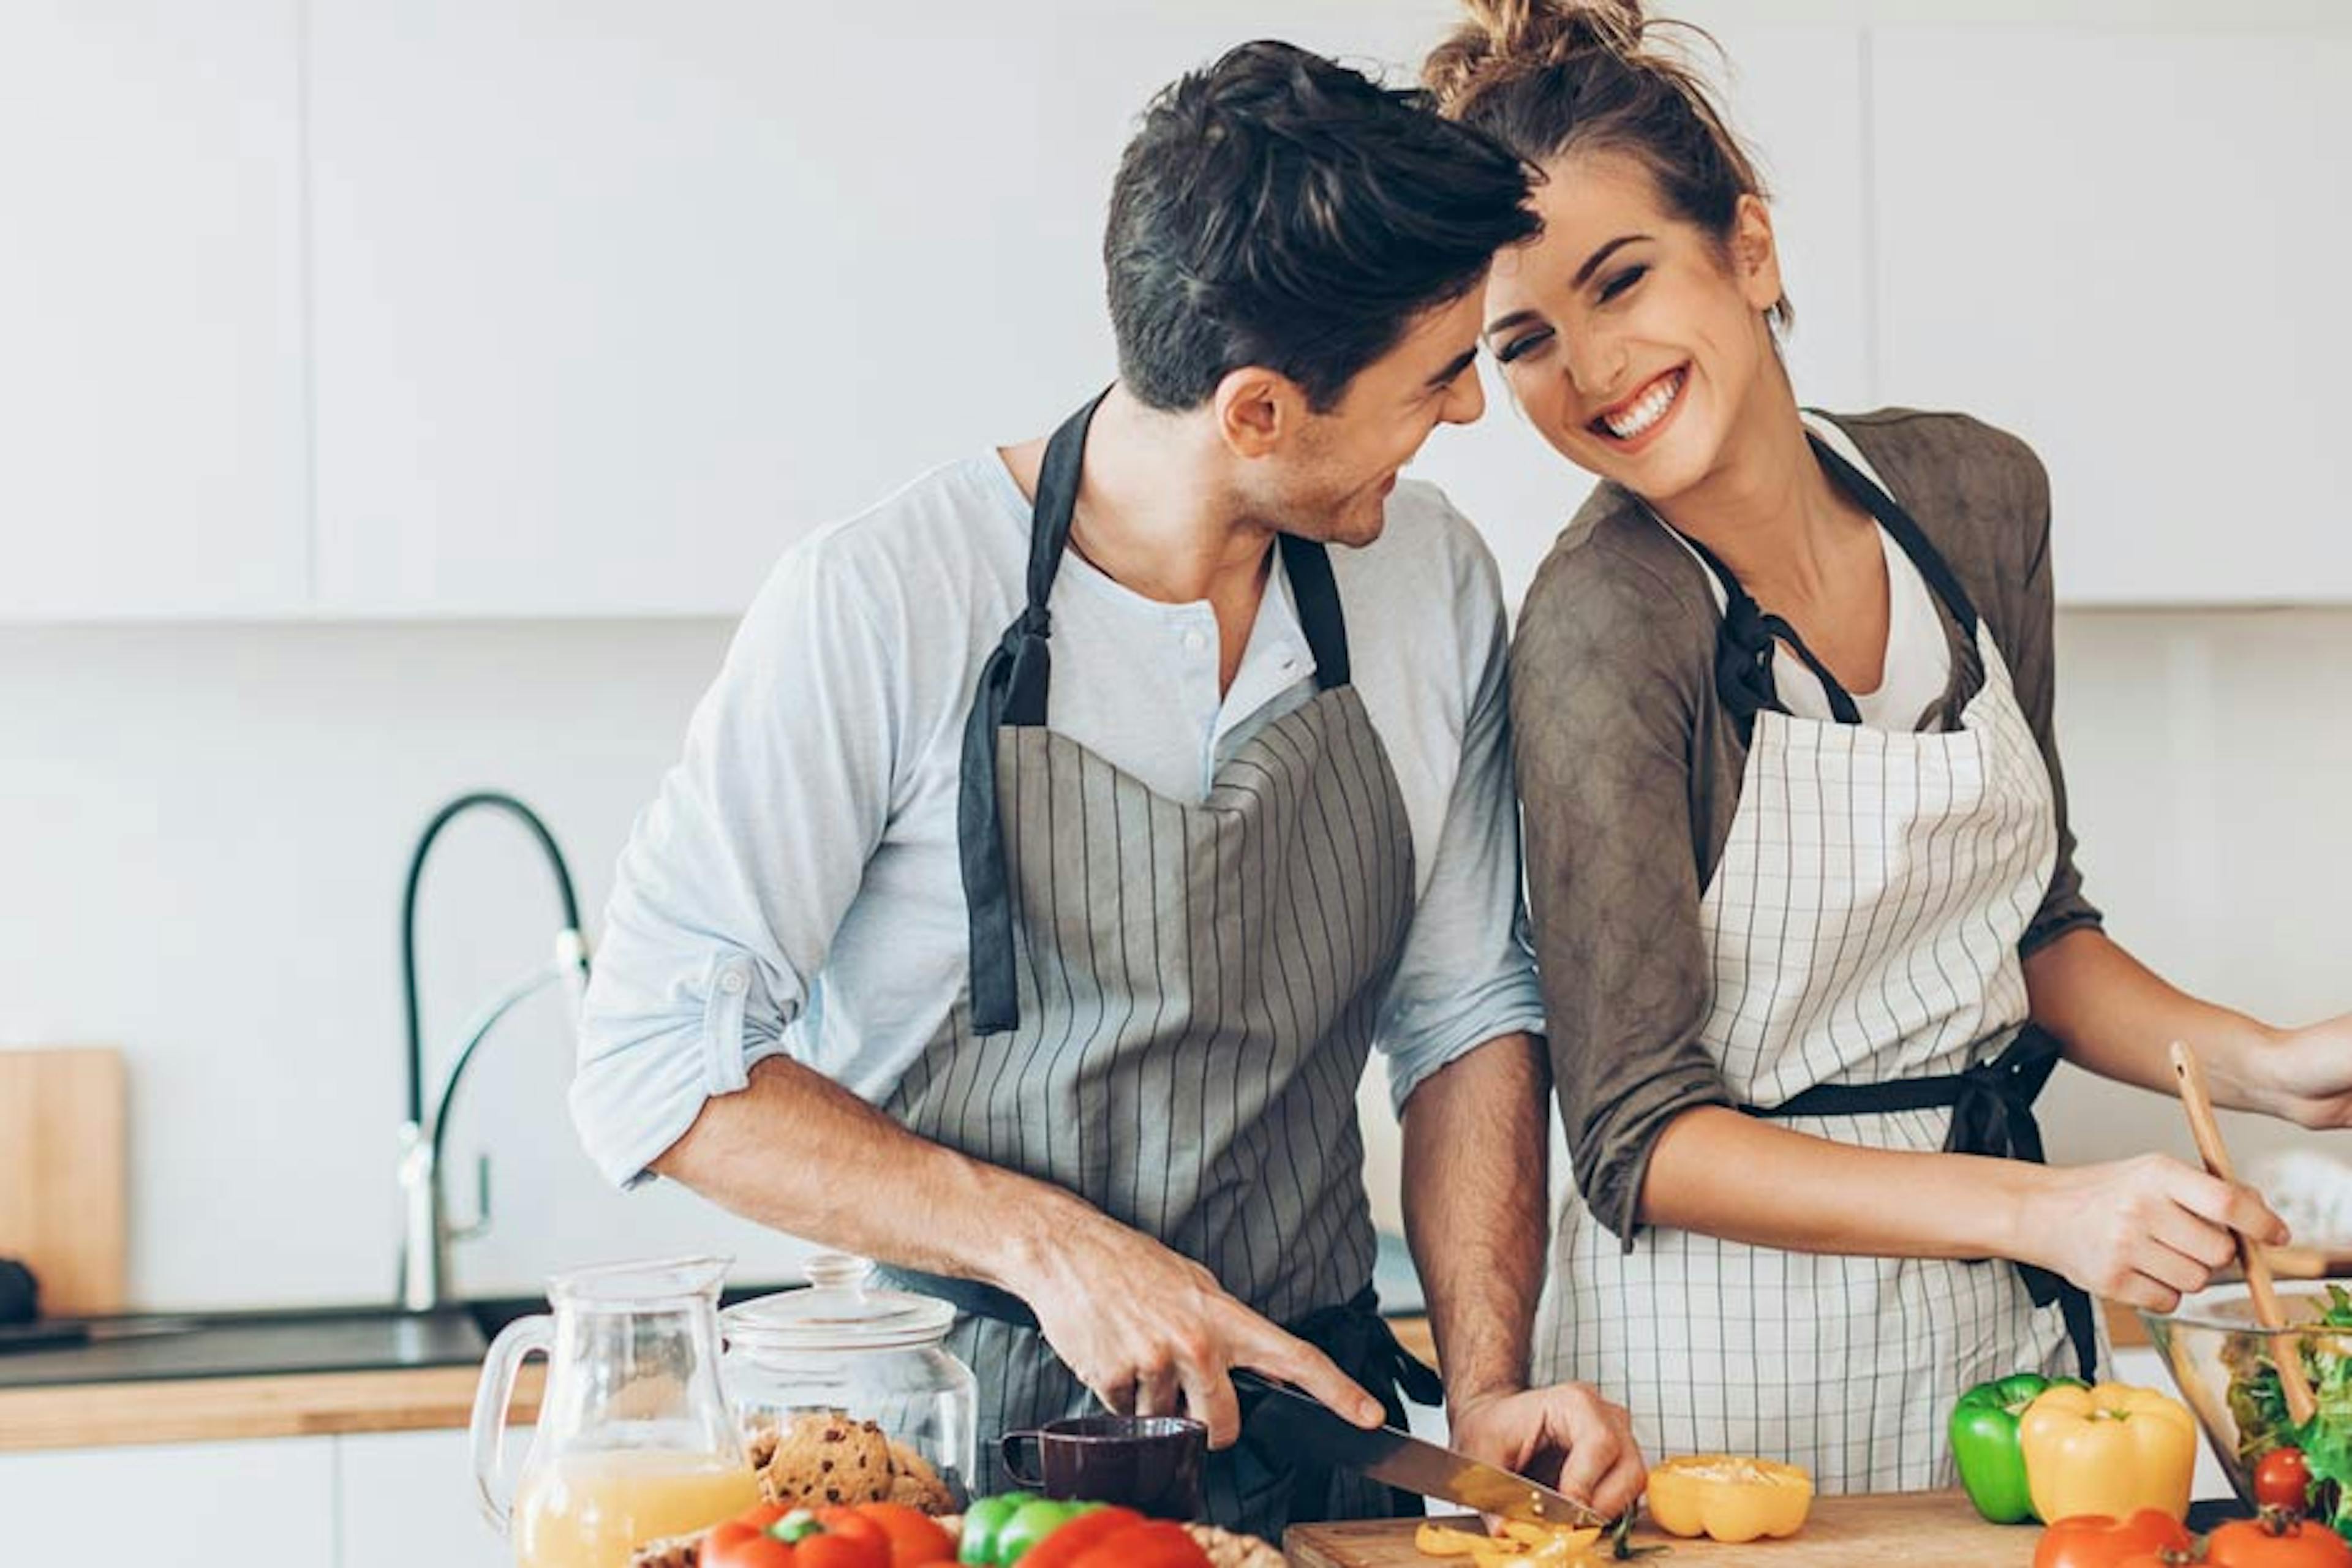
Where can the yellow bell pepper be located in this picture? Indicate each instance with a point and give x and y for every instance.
(2113, 1449)
(1729, 1500)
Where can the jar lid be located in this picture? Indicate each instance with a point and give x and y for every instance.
(838, 1313)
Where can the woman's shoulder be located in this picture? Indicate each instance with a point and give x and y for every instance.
(1951, 465)
(1616, 585)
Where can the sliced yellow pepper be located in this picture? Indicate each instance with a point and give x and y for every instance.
(1728, 1498)
(2113, 1449)
(1520, 1545)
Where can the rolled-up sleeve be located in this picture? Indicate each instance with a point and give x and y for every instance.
(2033, 636)
(1604, 709)
(1466, 975)
(737, 875)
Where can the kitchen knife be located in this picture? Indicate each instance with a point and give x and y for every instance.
(1282, 1419)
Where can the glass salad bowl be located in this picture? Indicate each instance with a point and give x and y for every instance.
(2222, 1360)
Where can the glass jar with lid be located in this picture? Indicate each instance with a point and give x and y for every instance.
(846, 1393)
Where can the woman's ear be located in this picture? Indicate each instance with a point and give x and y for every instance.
(1756, 253)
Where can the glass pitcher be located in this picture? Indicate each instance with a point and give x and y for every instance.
(634, 1440)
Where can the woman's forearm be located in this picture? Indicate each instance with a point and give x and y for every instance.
(2116, 1018)
(1724, 1173)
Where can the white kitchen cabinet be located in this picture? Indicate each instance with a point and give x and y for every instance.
(266, 1504)
(408, 1499)
(151, 306)
(2129, 249)
(614, 305)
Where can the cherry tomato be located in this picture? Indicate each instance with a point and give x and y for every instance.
(2094, 1541)
(2283, 1479)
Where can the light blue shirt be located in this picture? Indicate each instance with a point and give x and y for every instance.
(795, 889)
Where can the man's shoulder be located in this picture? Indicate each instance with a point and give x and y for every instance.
(954, 517)
(1428, 554)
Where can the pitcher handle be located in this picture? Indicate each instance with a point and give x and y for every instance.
(492, 1400)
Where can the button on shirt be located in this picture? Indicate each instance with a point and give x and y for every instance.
(795, 889)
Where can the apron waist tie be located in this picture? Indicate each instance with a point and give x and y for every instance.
(1359, 1341)
(1992, 1114)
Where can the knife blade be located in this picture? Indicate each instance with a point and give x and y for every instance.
(1283, 1419)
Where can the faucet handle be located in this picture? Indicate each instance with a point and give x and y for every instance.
(480, 1224)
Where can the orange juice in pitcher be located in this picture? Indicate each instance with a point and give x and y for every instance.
(592, 1510)
(635, 1441)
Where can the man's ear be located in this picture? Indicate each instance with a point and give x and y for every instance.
(1258, 411)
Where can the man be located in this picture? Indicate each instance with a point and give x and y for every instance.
(1063, 833)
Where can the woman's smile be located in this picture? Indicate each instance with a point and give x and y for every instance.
(1633, 423)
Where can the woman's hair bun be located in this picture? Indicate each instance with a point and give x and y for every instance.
(1502, 39)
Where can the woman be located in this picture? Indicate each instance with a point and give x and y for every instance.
(1809, 927)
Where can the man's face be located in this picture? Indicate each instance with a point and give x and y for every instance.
(1331, 483)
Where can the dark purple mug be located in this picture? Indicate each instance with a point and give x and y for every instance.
(1149, 1463)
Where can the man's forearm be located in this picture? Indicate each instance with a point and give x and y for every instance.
(1478, 1210)
(799, 1153)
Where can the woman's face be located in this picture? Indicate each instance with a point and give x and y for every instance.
(1626, 334)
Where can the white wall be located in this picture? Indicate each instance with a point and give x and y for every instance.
(203, 830)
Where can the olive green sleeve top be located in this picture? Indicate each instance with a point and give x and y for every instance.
(1630, 767)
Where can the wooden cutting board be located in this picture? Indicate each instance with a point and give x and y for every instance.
(63, 1173)
(1910, 1530)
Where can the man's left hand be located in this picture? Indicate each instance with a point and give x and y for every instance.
(1566, 1437)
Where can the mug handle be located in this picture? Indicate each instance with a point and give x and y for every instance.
(1009, 1448)
(518, 1339)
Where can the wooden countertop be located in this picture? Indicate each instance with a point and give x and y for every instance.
(1920, 1530)
(218, 1409)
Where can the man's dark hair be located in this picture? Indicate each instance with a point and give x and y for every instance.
(1277, 210)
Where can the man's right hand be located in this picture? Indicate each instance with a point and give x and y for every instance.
(1153, 1333)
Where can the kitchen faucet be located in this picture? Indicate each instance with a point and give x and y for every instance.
(426, 1232)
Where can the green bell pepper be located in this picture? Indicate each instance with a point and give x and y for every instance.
(982, 1523)
(1984, 1442)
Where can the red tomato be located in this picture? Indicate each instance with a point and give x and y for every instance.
(1073, 1541)
(853, 1523)
(916, 1538)
(832, 1550)
(2296, 1543)
(2283, 1479)
(735, 1544)
(1158, 1544)
(2094, 1541)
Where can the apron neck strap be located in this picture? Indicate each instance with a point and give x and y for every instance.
(1744, 648)
(1013, 686)
(1012, 691)
(1316, 597)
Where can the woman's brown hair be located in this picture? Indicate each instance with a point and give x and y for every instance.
(1548, 78)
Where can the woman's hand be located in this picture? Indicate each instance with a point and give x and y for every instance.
(2143, 1231)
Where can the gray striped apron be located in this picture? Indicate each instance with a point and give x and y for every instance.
(1864, 923)
(1171, 1007)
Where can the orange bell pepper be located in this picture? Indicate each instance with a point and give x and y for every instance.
(2113, 1449)
(1728, 1500)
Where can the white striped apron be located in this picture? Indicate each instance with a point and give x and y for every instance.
(1864, 925)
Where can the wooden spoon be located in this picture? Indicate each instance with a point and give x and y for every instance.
(2285, 1352)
